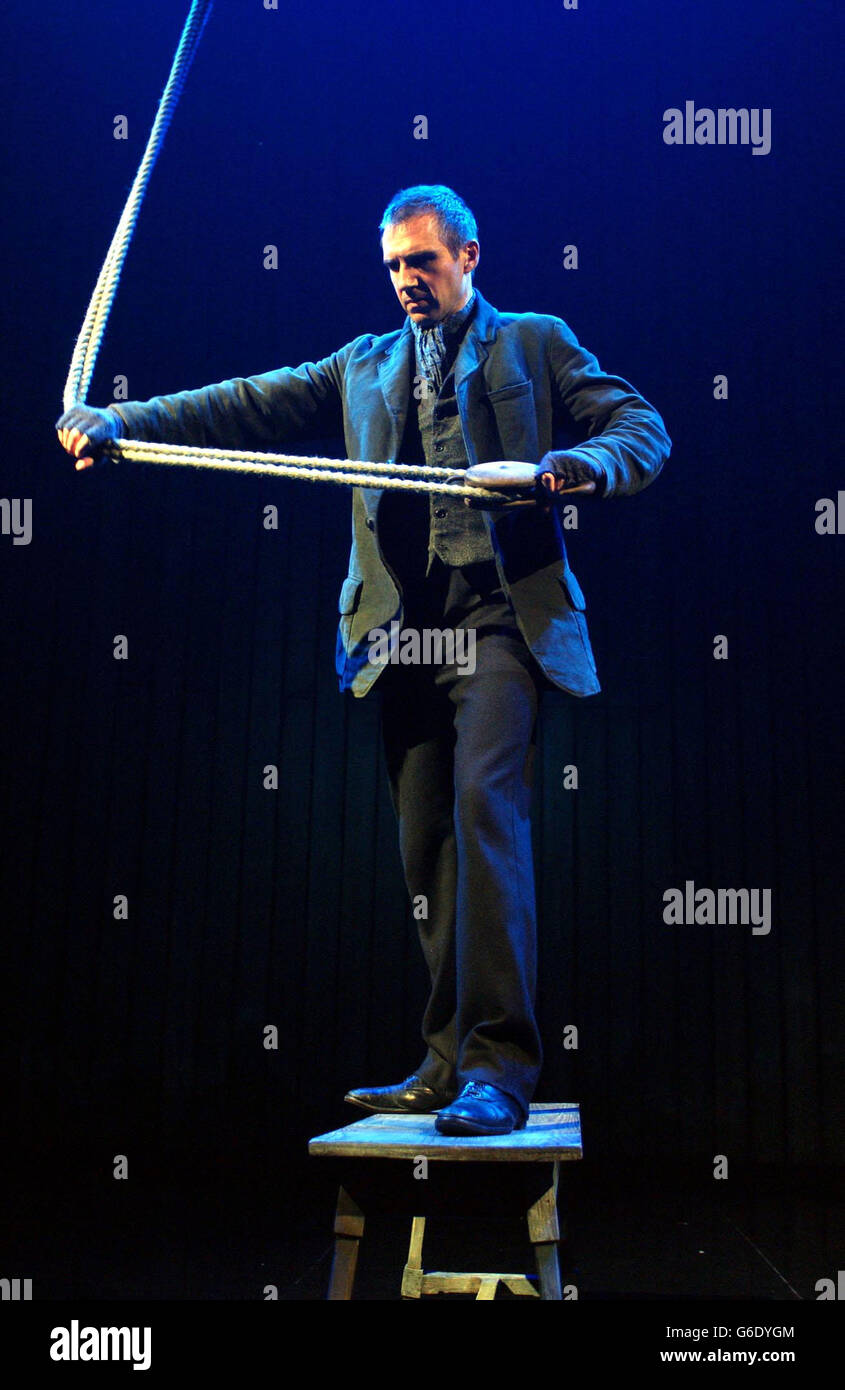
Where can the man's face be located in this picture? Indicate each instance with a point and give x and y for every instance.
(429, 281)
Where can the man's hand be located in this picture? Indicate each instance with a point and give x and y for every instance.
(84, 428)
(557, 487)
(525, 480)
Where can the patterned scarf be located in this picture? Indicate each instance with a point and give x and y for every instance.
(433, 344)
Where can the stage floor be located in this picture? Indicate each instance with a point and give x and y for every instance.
(223, 1238)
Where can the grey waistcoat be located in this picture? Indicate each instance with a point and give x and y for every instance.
(457, 533)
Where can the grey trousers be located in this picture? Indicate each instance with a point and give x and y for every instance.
(460, 748)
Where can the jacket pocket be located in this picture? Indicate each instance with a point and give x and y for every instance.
(572, 591)
(350, 595)
(506, 393)
(512, 408)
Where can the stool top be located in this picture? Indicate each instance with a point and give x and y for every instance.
(553, 1131)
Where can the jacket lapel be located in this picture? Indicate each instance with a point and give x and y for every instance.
(472, 354)
(473, 351)
(394, 374)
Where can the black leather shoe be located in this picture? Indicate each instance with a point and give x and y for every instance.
(481, 1109)
(410, 1097)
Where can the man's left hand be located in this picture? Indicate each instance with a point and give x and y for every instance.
(525, 480)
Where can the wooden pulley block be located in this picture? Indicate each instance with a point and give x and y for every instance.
(520, 482)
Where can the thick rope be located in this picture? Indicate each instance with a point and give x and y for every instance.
(94, 323)
(166, 453)
(353, 472)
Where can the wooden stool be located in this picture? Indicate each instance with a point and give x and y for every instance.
(553, 1132)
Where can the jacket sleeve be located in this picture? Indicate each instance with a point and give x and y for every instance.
(627, 443)
(255, 412)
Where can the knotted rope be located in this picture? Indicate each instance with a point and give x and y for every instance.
(354, 472)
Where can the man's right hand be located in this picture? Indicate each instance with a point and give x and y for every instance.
(83, 430)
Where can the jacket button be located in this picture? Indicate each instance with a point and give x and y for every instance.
(371, 525)
(440, 511)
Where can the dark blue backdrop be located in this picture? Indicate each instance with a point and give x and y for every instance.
(248, 907)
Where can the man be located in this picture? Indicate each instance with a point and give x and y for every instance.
(500, 398)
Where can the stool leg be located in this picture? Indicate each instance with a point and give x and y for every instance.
(412, 1275)
(544, 1234)
(348, 1230)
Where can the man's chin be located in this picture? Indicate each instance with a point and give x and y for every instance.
(424, 318)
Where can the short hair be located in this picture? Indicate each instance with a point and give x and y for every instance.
(455, 220)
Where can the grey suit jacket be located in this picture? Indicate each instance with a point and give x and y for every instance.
(526, 390)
